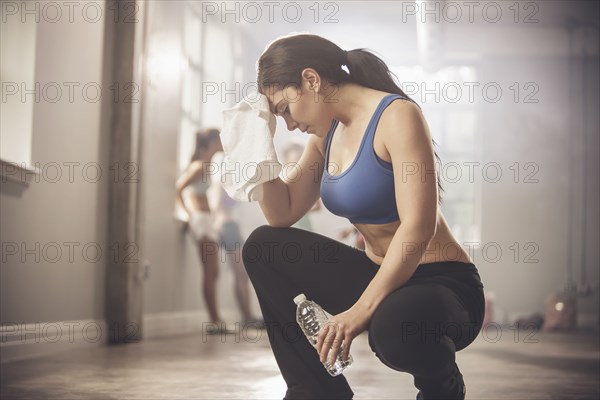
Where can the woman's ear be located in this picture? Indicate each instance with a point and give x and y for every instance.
(311, 79)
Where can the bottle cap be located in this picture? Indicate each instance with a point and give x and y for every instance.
(300, 298)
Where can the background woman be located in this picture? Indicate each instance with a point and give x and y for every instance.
(194, 184)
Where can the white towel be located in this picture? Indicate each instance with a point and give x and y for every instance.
(250, 158)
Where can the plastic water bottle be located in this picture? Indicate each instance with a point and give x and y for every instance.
(312, 318)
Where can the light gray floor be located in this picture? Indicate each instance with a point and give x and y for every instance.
(542, 366)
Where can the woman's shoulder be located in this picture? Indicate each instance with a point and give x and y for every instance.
(400, 102)
(401, 123)
(402, 112)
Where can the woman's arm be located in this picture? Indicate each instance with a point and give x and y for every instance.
(286, 200)
(275, 204)
(408, 141)
(189, 175)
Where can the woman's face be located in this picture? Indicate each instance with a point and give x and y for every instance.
(302, 107)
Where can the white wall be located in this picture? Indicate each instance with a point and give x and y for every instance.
(536, 215)
(17, 73)
(55, 208)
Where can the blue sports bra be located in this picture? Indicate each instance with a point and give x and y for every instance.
(364, 192)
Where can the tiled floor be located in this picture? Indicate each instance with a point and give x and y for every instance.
(557, 366)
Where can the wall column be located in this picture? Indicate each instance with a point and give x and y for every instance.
(124, 35)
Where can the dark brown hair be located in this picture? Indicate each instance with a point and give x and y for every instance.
(283, 61)
(204, 138)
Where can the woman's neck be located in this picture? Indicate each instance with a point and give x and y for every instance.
(350, 102)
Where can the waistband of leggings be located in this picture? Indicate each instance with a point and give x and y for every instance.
(445, 267)
(434, 268)
(457, 270)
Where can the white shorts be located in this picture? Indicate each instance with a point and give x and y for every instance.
(201, 226)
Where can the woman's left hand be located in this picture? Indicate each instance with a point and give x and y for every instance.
(341, 329)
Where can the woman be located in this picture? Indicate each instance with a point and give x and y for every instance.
(370, 158)
(193, 184)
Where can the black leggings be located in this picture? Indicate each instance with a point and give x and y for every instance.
(416, 329)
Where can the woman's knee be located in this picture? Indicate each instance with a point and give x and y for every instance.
(263, 248)
(391, 345)
(404, 338)
(252, 249)
(406, 350)
(260, 234)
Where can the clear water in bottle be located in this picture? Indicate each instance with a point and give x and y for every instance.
(311, 318)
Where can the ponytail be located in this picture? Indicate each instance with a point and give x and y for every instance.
(366, 69)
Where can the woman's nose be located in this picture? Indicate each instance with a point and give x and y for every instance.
(291, 125)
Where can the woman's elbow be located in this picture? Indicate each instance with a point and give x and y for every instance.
(427, 230)
(279, 224)
(431, 234)
(179, 186)
(421, 230)
(276, 225)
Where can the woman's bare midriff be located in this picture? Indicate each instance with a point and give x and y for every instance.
(197, 202)
(442, 247)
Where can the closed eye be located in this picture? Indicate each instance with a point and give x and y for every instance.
(285, 110)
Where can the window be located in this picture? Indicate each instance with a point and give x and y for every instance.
(19, 91)
(208, 82)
